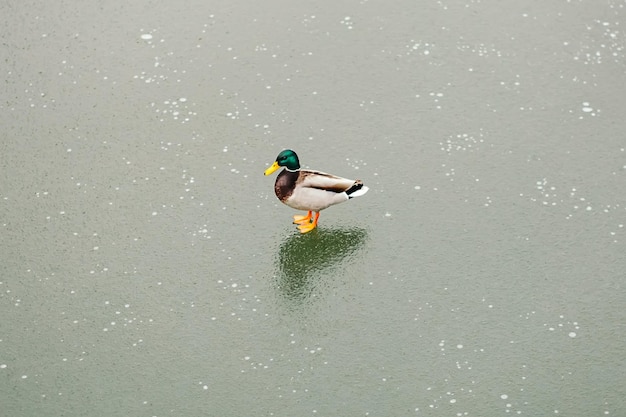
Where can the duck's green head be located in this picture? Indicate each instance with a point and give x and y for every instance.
(287, 159)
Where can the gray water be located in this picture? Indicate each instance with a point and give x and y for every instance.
(147, 269)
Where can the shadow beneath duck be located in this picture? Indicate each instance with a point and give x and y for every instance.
(304, 260)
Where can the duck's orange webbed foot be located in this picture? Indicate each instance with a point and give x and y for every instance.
(302, 219)
(308, 226)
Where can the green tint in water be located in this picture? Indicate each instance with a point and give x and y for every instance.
(302, 260)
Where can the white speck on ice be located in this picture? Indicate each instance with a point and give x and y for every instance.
(146, 36)
(504, 396)
(572, 334)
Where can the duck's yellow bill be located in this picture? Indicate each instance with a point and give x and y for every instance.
(273, 168)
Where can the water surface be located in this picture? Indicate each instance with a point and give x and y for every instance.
(147, 269)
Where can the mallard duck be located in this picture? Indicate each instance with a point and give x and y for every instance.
(312, 191)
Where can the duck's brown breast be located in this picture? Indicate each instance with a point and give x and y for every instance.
(285, 184)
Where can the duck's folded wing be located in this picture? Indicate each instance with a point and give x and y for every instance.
(324, 181)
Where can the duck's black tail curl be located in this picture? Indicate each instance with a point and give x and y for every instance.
(357, 189)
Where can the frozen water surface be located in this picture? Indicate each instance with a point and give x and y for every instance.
(145, 259)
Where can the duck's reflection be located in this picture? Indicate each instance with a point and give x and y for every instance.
(303, 259)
